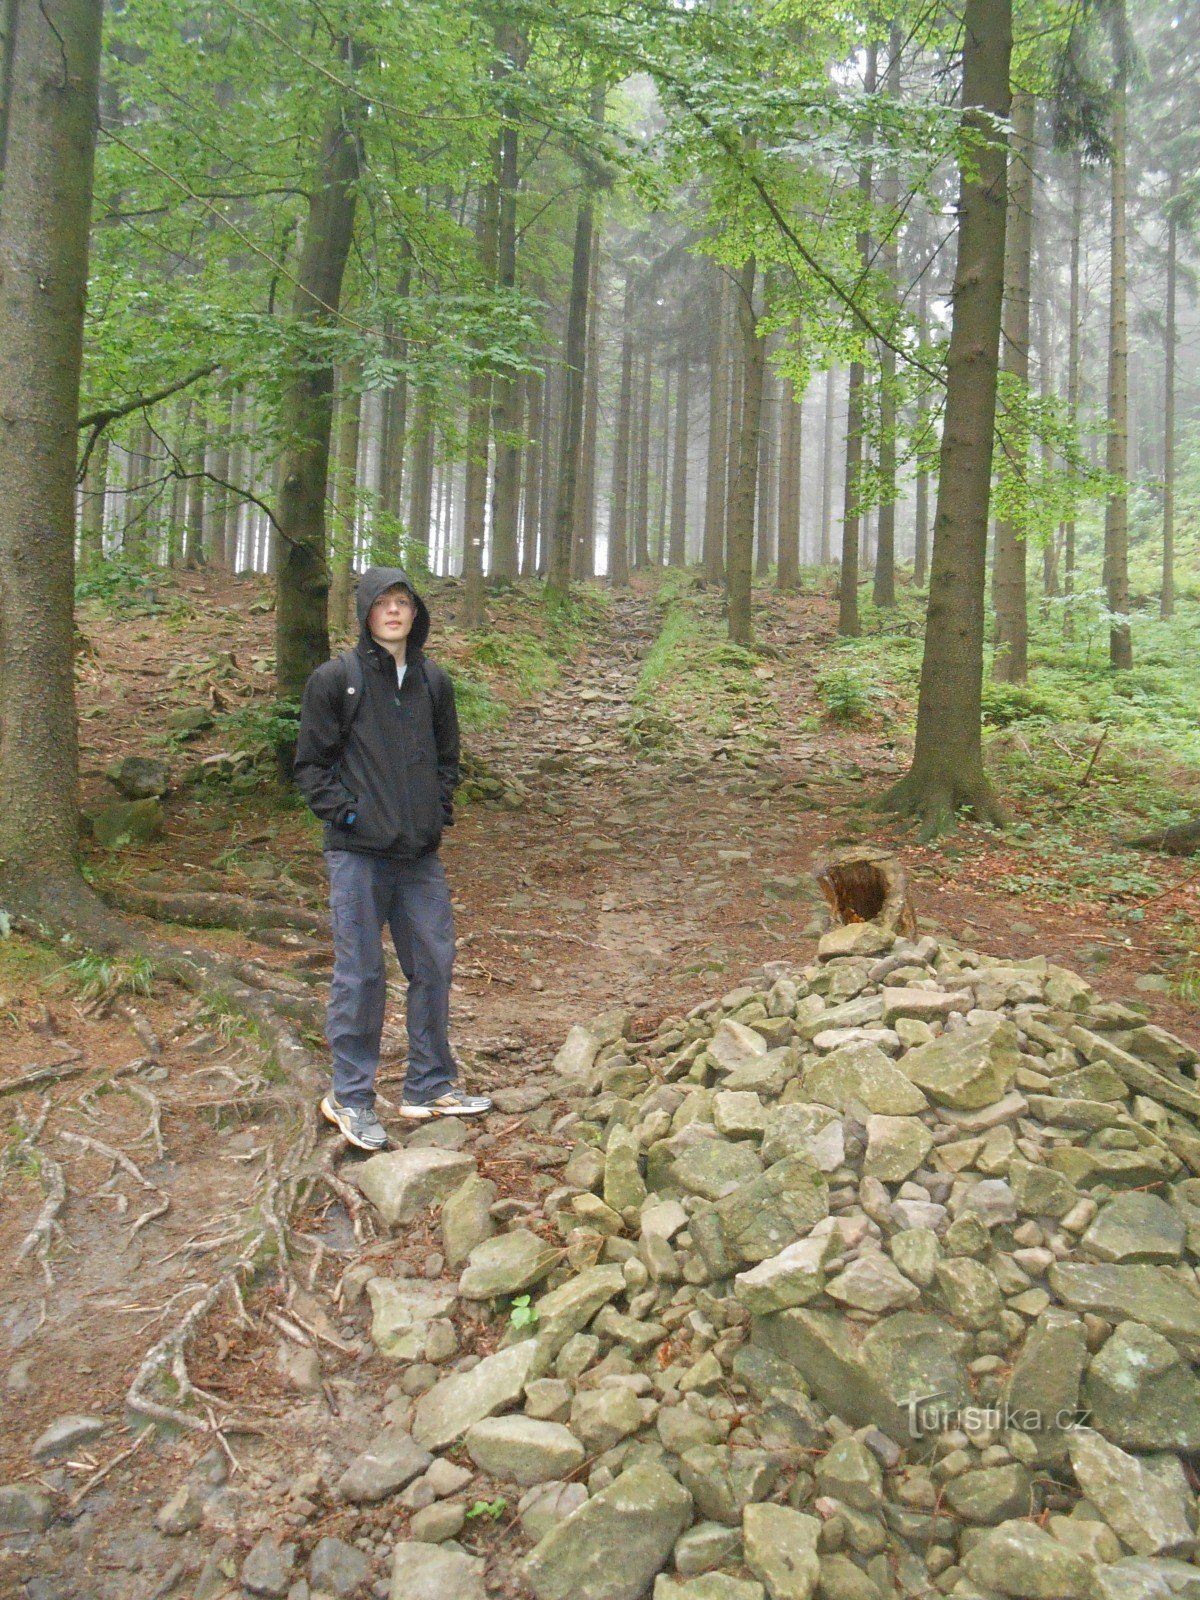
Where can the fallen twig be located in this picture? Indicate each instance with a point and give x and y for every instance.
(73, 1067)
(99, 1477)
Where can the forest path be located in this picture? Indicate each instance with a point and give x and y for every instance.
(630, 878)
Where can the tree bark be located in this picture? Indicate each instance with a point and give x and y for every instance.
(1010, 664)
(641, 496)
(1166, 604)
(718, 435)
(91, 523)
(921, 510)
(947, 769)
(420, 504)
(1073, 382)
(506, 397)
(585, 547)
(677, 550)
(193, 539)
(535, 385)
(852, 520)
(827, 469)
(479, 412)
(45, 209)
(791, 455)
(767, 513)
(1116, 512)
(306, 410)
(884, 588)
(740, 555)
(345, 487)
(664, 471)
(618, 525)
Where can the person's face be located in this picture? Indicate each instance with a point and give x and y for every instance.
(391, 618)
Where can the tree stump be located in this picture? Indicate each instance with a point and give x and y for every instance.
(863, 884)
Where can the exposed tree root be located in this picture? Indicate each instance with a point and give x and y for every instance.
(936, 798)
(43, 1076)
(41, 1235)
(209, 910)
(154, 1127)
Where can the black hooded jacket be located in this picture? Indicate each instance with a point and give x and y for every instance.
(396, 769)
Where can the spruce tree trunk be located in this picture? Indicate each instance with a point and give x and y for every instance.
(618, 523)
(740, 554)
(193, 537)
(641, 498)
(345, 489)
(827, 469)
(718, 435)
(677, 553)
(921, 511)
(734, 425)
(884, 589)
(1073, 382)
(853, 525)
(947, 769)
(531, 509)
(135, 541)
(506, 396)
(479, 415)
(91, 522)
(1166, 605)
(1010, 664)
(664, 472)
(45, 209)
(791, 455)
(585, 548)
(179, 487)
(1116, 513)
(767, 512)
(420, 504)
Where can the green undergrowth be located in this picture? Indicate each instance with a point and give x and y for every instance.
(694, 679)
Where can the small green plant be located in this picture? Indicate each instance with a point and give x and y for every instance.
(523, 1313)
(477, 706)
(846, 694)
(117, 583)
(1185, 984)
(493, 1510)
(99, 977)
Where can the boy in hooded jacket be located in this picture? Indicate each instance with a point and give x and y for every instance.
(377, 760)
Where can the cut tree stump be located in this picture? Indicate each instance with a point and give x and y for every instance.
(863, 884)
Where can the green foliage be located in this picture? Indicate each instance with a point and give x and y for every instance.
(847, 694)
(118, 584)
(523, 1313)
(477, 706)
(98, 977)
(492, 1510)
(520, 658)
(1006, 703)
(694, 676)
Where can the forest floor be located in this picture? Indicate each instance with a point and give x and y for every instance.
(664, 799)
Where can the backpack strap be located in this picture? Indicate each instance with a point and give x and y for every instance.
(356, 684)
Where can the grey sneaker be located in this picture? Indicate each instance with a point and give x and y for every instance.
(358, 1125)
(451, 1104)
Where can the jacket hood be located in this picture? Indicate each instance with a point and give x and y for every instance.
(376, 581)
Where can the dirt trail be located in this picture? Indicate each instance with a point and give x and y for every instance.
(643, 880)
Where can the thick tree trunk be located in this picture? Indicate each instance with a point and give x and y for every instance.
(1010, 663)
(791, 455)
(827, 469)
(306, 410)
(677, 552)
(45, 209)
(947, 769)
(345, 493)
(1166, 605)
(853, 524)
(479, 413)
(91, 522)
(641, 497)
(718, 435)
(1073, 381)
(768, 507)
(585, 547)
(1116, 513)
(921, 512)
(420, 504)
(618, 522)
(740, 555)
(884, 588)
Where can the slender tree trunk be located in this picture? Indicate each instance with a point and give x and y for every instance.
(480, 388)
(216, 495)
(551, 428)
(736, 383)
(677, 555)
(664, 472)
(506, 399)
(741, 522)
(1073, 374)
(585, 548)
(791, 455)
(618, 525)
(1167, 598)
(91, 522)
(718, 436)
(921, 512)
(135, 542)
(179, 485)
(947, 769)
(8, 38)
(238, 464)
(884, 587)
(420, 505)
(767, 511)
(852, 520)
(1050, 549)
(827, 469)
(193, 538)
(641, 503)
(1009, 580)
(531, 509)
(1116, 515)
(345, 494)
(45, 208)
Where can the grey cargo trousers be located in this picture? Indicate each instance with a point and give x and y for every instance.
(412, 898)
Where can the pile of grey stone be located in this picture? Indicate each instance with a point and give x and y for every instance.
(873, 1278)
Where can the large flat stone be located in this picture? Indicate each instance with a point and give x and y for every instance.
(1136, 1227)
(446, 1411)
(781, 1548)
(390, 1461)
(1142, 1394)
(968, 1069)
(434, 1572)
(570, 1307)
(522, 1450)
(860, 1074)
(1147, 1294)
(506, 1265)
(1145, 1500)
(401, 1183)
(612, 1547)
(401, 1311)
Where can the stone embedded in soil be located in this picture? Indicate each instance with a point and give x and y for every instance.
(392, 1460)
(710, 1586)
(611, 1547)
(506, 1265)
(433, 1572)
(337, 1568)
(181, 1513)
(66, 1434)
(1018, 1559)
(1145, 1500)
(446, 1411)
(24, 1509)
(781, 1549)
(402, 1310)
(577, 1053)
(267, 1570)
(523, 1450)
(401, 1183)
